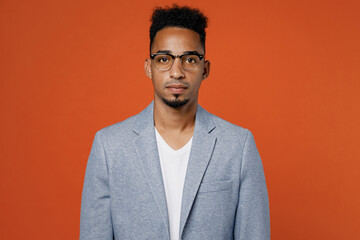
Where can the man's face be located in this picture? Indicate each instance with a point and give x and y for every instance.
(177, 87)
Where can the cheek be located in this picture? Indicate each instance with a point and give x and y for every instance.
(198, 81)
(157, 81)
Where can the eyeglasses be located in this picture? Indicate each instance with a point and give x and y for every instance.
(189, 61)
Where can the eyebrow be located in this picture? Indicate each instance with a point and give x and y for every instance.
(186, 52)
(192, 52)
(163, 51)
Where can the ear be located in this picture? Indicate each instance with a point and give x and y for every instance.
(147, 68)
(206, 69)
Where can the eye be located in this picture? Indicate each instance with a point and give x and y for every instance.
(191, 59)
(162, 59)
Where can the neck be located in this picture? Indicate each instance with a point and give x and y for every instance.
(180, 119)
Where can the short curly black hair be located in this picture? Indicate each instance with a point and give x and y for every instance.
(178, 16)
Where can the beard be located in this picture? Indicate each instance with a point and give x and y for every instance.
(176, 103)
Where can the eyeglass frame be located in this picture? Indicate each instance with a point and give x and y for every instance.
(153, 55)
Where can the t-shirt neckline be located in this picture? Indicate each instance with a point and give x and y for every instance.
(164, 144)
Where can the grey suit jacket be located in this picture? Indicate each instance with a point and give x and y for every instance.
(224, 197)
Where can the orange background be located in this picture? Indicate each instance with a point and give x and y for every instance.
(287, 70)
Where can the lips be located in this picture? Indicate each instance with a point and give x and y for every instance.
(174, 85)
(176, 88)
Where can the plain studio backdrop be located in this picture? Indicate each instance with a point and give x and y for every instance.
(287, 70)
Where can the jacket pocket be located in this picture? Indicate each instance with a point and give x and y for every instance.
(215, 186)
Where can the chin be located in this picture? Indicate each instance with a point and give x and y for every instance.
(175, 102)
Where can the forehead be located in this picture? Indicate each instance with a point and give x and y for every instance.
(177, 40)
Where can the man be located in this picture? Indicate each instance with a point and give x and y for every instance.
(175, 171)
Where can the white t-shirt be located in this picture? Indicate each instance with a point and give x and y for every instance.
(173, 167)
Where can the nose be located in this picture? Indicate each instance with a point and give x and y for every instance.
(176, 71)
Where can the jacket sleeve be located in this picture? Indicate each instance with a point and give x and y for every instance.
(252, 215)
(95, 222)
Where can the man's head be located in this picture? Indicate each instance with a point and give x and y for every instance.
(177, 64)
(181, 17)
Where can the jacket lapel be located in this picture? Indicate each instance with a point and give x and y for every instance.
(148, 158)
(201, 151)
